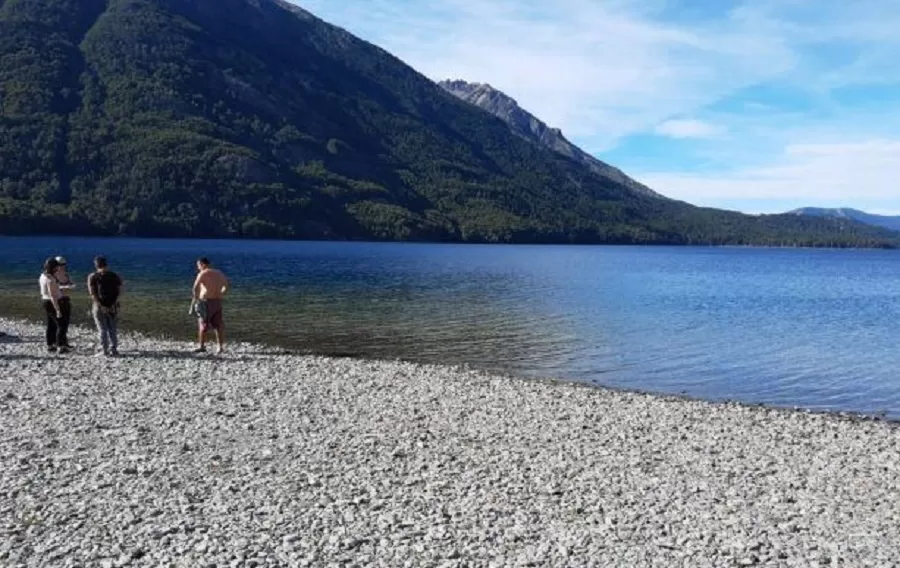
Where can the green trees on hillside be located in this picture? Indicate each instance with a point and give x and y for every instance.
(238, 118)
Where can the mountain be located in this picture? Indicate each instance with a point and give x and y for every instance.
(888, 222)
(254, 118)
(531, 128)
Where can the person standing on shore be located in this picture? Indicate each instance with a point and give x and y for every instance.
(105, 288)
(50, 297)
(64, 281)
(210, 288)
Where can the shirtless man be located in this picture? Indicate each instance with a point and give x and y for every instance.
(210, 287)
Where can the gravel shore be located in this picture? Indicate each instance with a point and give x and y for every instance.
(261, 458)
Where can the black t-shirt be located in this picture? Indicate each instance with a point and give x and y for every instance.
(105, 286)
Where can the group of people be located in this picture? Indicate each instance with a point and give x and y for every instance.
(105, 288)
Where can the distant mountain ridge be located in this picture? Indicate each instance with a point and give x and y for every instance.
(535, 130)
(885, 221)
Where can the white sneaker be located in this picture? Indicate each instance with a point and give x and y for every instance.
(219, 350)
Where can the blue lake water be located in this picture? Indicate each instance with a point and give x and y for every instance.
(810, 328)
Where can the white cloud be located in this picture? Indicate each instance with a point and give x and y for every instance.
(834, 173)
(598, 70)
(687, 128)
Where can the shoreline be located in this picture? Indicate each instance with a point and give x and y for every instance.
(270, 458)
(279, 348)
(250, 239)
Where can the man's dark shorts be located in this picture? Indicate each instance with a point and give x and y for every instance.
(213, 318)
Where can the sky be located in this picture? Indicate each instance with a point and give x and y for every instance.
(759, 106)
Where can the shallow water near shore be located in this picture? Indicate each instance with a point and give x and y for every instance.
(787, 327)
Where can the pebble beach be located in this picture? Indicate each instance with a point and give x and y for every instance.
(265, 458)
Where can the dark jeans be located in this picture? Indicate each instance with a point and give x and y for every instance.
(57, 328)
(65, 306)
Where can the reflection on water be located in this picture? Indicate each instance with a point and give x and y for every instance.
(785, 327)
(335, 305)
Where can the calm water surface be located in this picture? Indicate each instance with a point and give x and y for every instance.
(811, 328)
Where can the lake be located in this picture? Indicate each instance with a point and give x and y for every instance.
(789, 327)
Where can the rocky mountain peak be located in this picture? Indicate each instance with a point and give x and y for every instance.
(528, 126)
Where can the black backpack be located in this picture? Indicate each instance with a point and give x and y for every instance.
(107, 288)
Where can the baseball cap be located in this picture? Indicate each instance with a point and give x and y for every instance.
(61, 259)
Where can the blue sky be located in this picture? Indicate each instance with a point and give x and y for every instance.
(761, 106)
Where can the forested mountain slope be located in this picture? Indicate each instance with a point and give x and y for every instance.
(252, 118)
